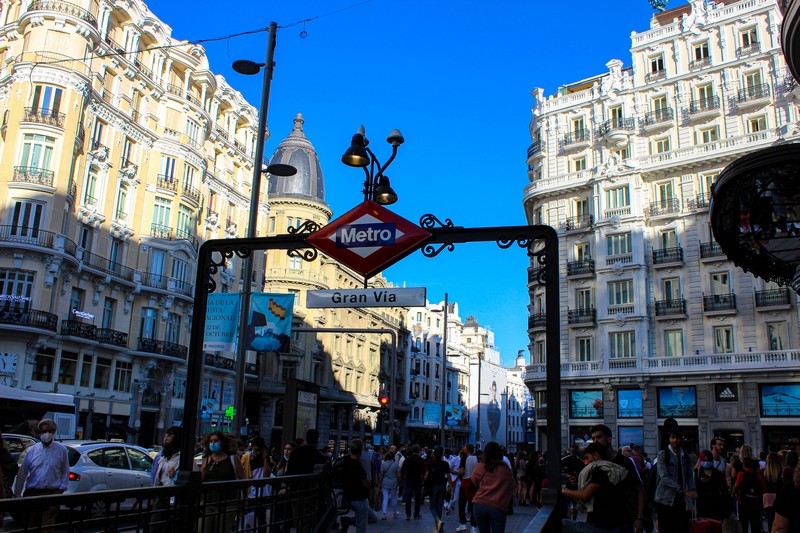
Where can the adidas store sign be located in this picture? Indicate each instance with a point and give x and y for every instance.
(726, 392)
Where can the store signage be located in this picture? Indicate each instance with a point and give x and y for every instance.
(368, 238)
(391, 297)
(83, 314)
(8, 364)
(726, 392)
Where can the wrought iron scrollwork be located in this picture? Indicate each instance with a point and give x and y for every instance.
(538, 249)
(430, 250)
(308, 226)
(430, 221)
(213, 265)
(306, 254)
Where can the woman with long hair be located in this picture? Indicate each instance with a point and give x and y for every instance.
(220, 462)
(494, 481)
(389, 483)
(281, 516)
(521, 469)
(165, 471)
(773, 477)
(436, 472)
(787, 506)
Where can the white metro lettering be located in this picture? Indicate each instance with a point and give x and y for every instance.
(365, 235)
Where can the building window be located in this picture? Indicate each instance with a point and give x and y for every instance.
(43, 365)
(622, 345)
(579, 164)
(778, 335)
(161, 211)
(122, 376)
(618, 198)
(661, 145)
(127, 152)
(659, 104)
(619, 244)
(37, 152)
(539, 352)
(168, 168)
(16, 287)
(671, 288)
(657, 64)
(76, 302)
(582, 251)
(121, 209)
(701, 51)
(192, 132)
(97, 133)
(149, 323)
(27, 218)
(706, 182)
(185, 222)
(173, 333)
(749, 37)
(179, 268)
(723, 339)
(720, 283)
(620, 292)
(109, 305)
(673, 343)
(86, 370)
(583, 298)
(756, 124)
(584, 349)
(295, 263)
(102, 373)
(668, 238)
(189, 173)
(629, 403)
(708, 135)
(68, 369)
(677, 402)
(752, 79)
(46, 100)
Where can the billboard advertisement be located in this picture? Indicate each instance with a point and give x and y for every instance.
(270, 326)
(490, 402)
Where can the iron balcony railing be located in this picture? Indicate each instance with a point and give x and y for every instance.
(579, 222)
(700, 63)
(584, 266)
(665, 206)
(156, 281)
(44, 116)
(535, 148)
(719, 302)
(121, 216)
(668, 255)
(752, 48)
(706, 104)
(582, 315)
(124, 162)
(32, 318)
(663, 114)
(576, 136)
(221, 132)
(182, 234)
(76, 328)
(650, 77)
(619, 123)
(36, 175)
(63, 7)
(161, 232)
(97, 145)
(538, 320)
(773, 297)
(114, 45)
(191, 192)
(167, 182)
(143, 69)
(676, 306)
(113, 337)
(710, 249)
(753, 92)
(156, 346)
(217, 361)
(533, 273)
(89, 200)
(702, 200)
(20, 234)
(106, 265)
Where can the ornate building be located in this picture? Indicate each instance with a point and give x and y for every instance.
(119, 150)
(656, 322)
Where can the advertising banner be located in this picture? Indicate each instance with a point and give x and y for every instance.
(222, 317)
(433, 414)
(270, 326)
(456, 415)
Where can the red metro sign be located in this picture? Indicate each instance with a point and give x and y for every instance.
(368, 238)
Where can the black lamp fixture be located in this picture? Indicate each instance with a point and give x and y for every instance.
(376, 184)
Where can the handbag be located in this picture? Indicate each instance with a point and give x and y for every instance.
(768, 499)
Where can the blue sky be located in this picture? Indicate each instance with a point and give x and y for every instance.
(455, 78)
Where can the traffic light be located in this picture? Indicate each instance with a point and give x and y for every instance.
(384, 401)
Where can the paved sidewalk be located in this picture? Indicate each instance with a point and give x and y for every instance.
(515, 523)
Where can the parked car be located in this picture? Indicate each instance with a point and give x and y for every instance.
(104, 466)
(16, 444)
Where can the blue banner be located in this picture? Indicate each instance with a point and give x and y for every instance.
(222, 318)
(270, 326)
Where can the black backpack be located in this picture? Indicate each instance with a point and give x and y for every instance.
(750, 491)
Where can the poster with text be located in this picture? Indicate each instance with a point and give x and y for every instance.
(270, 326)
(222, 317)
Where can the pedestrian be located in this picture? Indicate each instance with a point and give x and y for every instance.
(412, 471)
(468, 463)
(773, 477)
(455, 483)
(355, 484)
(749, 491)
(494, 481)
(256, 465)
(307, 458)
(220, 463)
(787, 507)
(45, 470)
(437, 470)
(9, 469)
(713, 495)
(165, 473)
(521, 467)
(675, 484)
(390, 470)
(537, 473)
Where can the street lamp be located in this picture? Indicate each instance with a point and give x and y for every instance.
(249, 68)
(376, 184)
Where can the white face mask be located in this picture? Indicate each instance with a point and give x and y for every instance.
(46, 437)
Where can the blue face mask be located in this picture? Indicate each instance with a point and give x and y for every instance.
(214, 447)
(705, 464)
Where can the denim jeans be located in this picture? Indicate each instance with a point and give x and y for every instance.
(412, 491)
(361, 508)
(437, 499)
(490, 519)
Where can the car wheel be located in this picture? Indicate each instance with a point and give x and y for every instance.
(98, 509)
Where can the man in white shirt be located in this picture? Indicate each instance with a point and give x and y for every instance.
(466, 467)
(454, 460)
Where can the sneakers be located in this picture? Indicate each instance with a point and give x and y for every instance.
(461, 527)
(384, 516)
(397, 515)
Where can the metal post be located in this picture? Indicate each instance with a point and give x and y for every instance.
(553, 364)
(478, 430)
(255, 190)
(444, 376)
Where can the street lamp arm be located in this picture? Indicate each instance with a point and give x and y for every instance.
(388, 162)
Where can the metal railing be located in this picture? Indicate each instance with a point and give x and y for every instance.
(576, 136)
(191, 192)
(619, 123)
(44, 116)
(63, 7)
(160, 347)
(166, 182)
(719, 302)
(576, 268)
(536, 321)
(665, 206)
(21, 234)
(76, 328)
(175, 89)
(269, 505)
(671, 307)
(156, 281)
(113, 337)
(183, 287)
(579, 222)
(217, 361)
(535, 148)
(582, 315)
(702, 200)
(700, 63)
(650, 77)
(38, 176)
(106, 265)
(752, 48)
(753, 92)
(32, 318)
(182, 234)
(668, 255)
(710, 249)
(659, 115)
(706, 104)
(773, 297)
(161, 232)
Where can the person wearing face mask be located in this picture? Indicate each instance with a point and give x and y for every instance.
(220, 463)
(713, 496)
(45, 470)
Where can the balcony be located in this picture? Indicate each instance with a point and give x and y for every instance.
(534, 272)
(33, 236)
(169, 349)
(668, 256)
(617, 212)
(167, 182)
(711, 250)
(752, 48)
(753, 96)
(185, 235)
(582, 316)
(773, 299)
(34, 175)
(112, 337)
(30, 318)
(44, 116)
(658, 75)
(671, 308)
(584, 267)
(697, 64)
(76, 328)
(161, 232)
(575, 140)
(664, 206)
(619, 259)
(155, 281)
(719, 303)
(704, 109)
(702, 200)
(63, 7)
(107, 266)
(580, 222)
(175, 90)
(182, 287)
(192, 192)
(617, 130)
(658, 120)
(537, 321)
(222, 363)
(535, 150)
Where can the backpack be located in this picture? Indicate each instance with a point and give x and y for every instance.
(750, 491)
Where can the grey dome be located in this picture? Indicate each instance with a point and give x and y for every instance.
(297, 151)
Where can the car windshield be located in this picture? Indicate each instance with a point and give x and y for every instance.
(73, 456)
